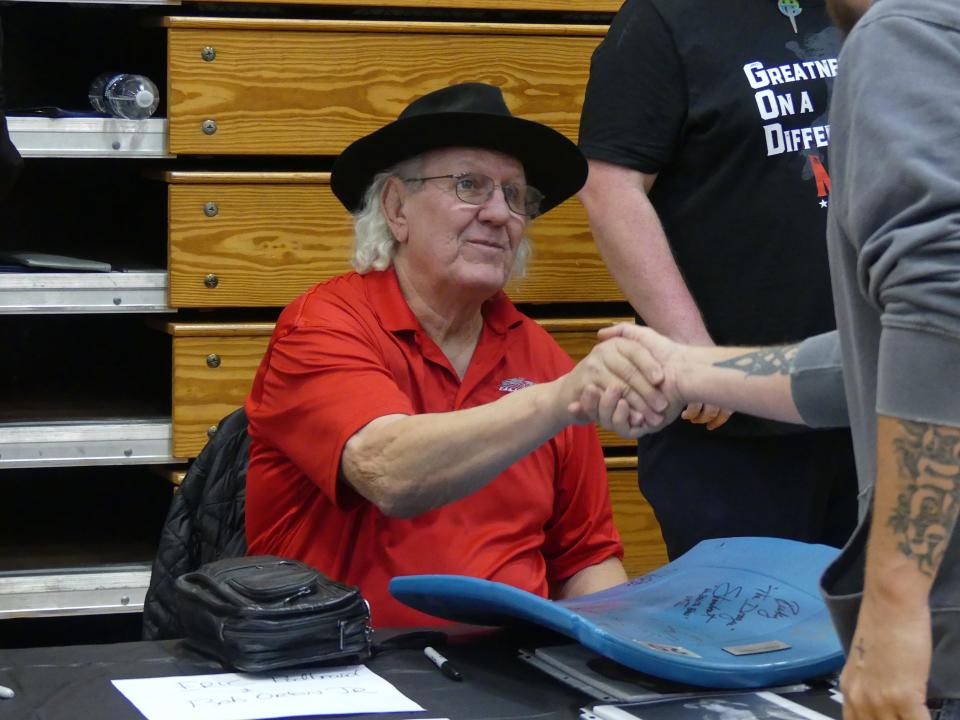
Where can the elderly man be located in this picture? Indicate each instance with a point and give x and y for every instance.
(406, 418)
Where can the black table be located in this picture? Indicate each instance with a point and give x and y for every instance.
(73, 682)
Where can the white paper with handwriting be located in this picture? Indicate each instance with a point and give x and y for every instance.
(229, 696)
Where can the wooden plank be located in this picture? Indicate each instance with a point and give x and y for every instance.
(203, 395)
(315, 86)
(406, 27)
(219, 330)
(589, 6)
(203, 392)
(566, 265)
(268, 243)
(174, 476)
(586, 324)
(552, 325)
(560, 328)
(622, 462)
(193, 177)
(644, 549)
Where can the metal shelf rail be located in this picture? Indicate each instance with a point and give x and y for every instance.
(89, 137)
(92, 590)
(125, 441)
(114, 292)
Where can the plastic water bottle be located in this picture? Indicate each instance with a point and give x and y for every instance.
(124, 95)
(95, 94)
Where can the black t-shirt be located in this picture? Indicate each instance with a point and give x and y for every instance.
(728, 105)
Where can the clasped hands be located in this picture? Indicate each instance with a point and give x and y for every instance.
(632, 384)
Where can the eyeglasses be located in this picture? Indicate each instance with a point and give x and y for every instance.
(476, 189)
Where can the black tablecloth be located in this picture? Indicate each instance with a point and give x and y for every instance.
(73, 682)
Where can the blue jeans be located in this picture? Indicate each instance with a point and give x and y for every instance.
(702, 485)
(949, 710)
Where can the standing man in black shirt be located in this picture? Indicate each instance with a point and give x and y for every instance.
(706, 129)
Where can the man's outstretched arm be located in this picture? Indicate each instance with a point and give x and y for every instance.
(797, 383)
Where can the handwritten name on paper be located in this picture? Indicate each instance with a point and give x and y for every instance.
(230, 696)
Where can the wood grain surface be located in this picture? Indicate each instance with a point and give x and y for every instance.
(203, 395)
(271, 241)
(314, 90)
(266, 245)
(643, 544)
(591, 6)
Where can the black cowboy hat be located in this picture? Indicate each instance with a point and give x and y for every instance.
(468, 115)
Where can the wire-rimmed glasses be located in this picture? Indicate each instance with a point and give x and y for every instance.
(477, 188)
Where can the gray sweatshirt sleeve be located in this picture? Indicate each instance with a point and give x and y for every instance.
(816, 382)
(904, 155)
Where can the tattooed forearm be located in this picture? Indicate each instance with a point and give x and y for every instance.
(767, 361)
(929, 462)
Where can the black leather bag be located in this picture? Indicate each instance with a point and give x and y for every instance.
(265, 612)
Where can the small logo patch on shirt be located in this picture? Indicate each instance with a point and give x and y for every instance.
(514, 384)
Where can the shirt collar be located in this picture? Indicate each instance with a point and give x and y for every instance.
(500, 314)
(383, 291)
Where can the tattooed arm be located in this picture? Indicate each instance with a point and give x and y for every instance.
(915, 513)
(752, 380)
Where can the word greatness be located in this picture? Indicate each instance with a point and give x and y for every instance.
(774, 104)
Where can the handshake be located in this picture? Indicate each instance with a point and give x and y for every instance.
(637, 381)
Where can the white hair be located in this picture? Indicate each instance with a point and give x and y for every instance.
(374, 246)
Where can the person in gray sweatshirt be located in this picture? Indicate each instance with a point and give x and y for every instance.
(891, 370)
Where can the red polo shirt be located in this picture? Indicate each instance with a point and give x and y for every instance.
(350, 350)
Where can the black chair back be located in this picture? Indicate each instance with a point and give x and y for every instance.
(206, 522)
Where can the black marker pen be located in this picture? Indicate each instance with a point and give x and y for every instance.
(441, 662)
